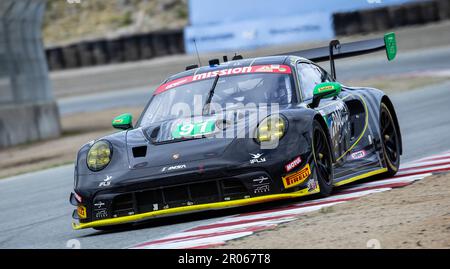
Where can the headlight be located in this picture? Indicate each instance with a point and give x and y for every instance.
(271, 129)
(99, 155)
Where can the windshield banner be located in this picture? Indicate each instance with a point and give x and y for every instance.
(271, 68)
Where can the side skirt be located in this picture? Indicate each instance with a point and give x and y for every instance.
(357, 176)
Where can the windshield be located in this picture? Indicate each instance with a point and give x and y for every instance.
(243, 89)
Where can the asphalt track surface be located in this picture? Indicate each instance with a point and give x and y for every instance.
(34, 208)
(366, 66)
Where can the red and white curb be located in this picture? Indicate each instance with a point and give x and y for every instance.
(237, 226)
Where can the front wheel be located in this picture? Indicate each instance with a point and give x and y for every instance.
(390, 141)
(323, 162)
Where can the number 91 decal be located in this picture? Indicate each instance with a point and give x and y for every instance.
(193, 129)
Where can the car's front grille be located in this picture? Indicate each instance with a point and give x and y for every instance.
(177, 196)
(124, 205)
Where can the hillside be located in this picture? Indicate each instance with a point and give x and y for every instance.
(66, 22)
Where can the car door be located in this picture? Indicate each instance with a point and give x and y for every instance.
(334, 110)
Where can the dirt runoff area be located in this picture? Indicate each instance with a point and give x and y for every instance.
(415, 216)
(77, 130)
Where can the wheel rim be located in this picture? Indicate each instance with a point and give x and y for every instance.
(322, 156)
(389, 136)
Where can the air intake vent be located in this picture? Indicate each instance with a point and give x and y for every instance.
(139, 152)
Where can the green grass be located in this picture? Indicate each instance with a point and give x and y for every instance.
(65, 23)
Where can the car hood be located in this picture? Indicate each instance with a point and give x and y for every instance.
(161, 144)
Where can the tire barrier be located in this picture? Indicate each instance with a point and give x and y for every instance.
(123, 49)
(385, 18)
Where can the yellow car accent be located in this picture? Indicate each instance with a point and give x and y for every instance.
(365, 175)
(81, 211)
(296, 178)
(177, 210)
(218, 205)
(362, 133)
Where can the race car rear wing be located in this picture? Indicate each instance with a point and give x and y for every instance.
(336, 50)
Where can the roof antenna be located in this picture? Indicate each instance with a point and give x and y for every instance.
(198, 55)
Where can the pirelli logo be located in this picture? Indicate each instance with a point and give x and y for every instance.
(297, 178)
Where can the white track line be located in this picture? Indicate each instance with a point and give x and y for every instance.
(434, 168)
(237, 226)
(443, 155)
(380, 183)
(431, 162)
(198, 242)
(231, 228)
(305, 207)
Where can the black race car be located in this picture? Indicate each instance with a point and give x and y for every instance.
(236, 133)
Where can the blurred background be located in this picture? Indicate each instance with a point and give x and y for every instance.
(67, 67)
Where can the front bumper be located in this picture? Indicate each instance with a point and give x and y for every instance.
(194, 208)
(182, 194)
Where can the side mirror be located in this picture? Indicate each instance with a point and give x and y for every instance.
(325, 90)
(123, 122)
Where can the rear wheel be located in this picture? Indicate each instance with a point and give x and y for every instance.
(390, 141)
(323, 162)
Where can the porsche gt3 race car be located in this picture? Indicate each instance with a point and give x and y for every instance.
(236, 133)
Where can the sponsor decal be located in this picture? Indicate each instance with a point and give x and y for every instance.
(261, 185)
(81, 211)
(337, 121)
(293, 164)
(312, 184)
(106, 182)
(358, 154)
(99, 204)
(174, 167)
(100, 210)
(260, 180)
(274, 68)
(262, 189)
(194, 129)
(325, 88)
(297, 178)
(101, 214)
(176, 83)
(257, 158)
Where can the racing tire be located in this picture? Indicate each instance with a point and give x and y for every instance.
(323, 161)
(390, 141)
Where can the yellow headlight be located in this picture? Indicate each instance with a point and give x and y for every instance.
(99, 156)
(270, 129)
